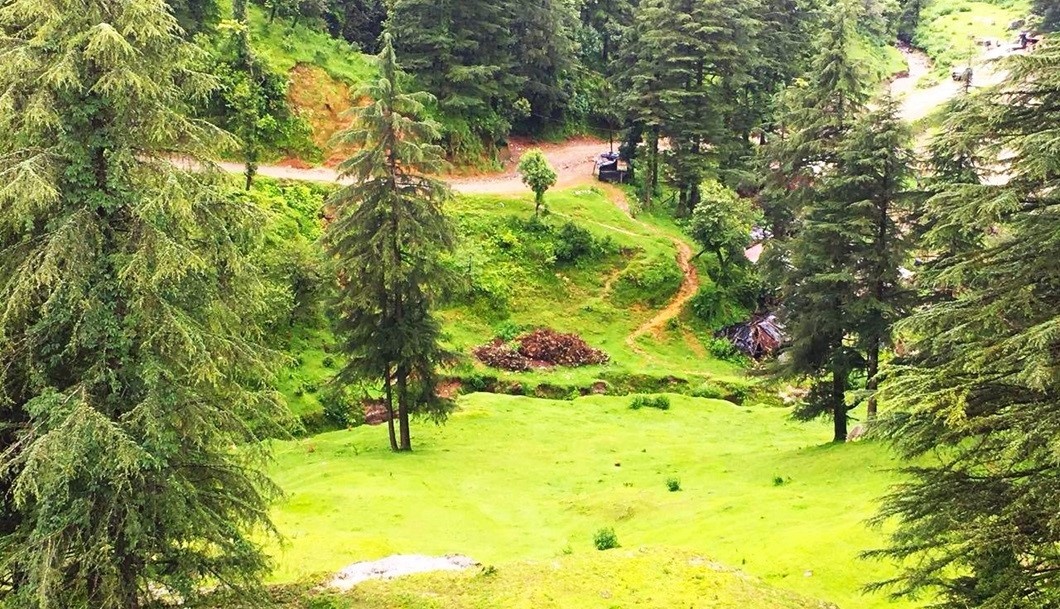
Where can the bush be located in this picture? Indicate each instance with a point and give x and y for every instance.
(660, 402)
(723, 349)
(673, 484)
(574, 243)
(509, 330)
(559, 349)
(328, 361)
(605, 539)
(341, 407)
(653, 282)
(708, 390)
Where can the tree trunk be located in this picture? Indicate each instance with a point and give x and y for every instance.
(403, 408)
(390, 410)
(872, 382)
(839, 405)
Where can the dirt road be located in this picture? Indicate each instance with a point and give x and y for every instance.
(572, 160)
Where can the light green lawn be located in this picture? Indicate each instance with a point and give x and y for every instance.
(642, 578)
(511, 479)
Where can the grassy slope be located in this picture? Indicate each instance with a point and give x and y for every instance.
(565, 297)
(949, 28)
(285, 47)
(574, 299)
(510, 479)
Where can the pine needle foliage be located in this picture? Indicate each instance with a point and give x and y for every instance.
(130, 380)
(388, 242)
(842, 288)
(978, 397)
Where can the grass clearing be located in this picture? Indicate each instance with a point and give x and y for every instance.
(949, 30)
(513, 479)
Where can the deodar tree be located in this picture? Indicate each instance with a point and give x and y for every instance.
(387, 243)
(130, 379)
(976, 402)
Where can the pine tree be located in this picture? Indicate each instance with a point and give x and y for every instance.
(460, 51)
(842, 290)
(819, 291)
(609, 20)
(1049, 11)
(387, 241)
(646, 110)
(245, 95)
(130, 377)
(543, 60)
(873, 176)
(813, 123)
(976, 399)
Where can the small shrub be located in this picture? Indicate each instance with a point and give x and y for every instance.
(328, 361)
(605, 539)
(660, 402)
(721, 348)
(778, 481)
(509, 330)
(310, 387)
(707, 390)
(673, 484)
(341, 406)
(574, 243)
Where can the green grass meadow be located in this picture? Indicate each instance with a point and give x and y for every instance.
(512, 479)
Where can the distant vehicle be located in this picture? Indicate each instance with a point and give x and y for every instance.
(610, 167)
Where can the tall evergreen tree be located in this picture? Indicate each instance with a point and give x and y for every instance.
(842, 289)
(609, 20)
(874, 175)
(387, 241)
(641, 78)
(1049, 11)
(129, 376)
(976, 399)
(246, 93)
(543, 60)
(814, 121)
(461, 51)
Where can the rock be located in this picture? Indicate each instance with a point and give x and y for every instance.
(398, 566)
(856, 434)
(1017, 24)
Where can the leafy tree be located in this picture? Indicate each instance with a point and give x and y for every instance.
(977, 393)
(130, 372)
(387, 242)
(721, 224)
(538, 175)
